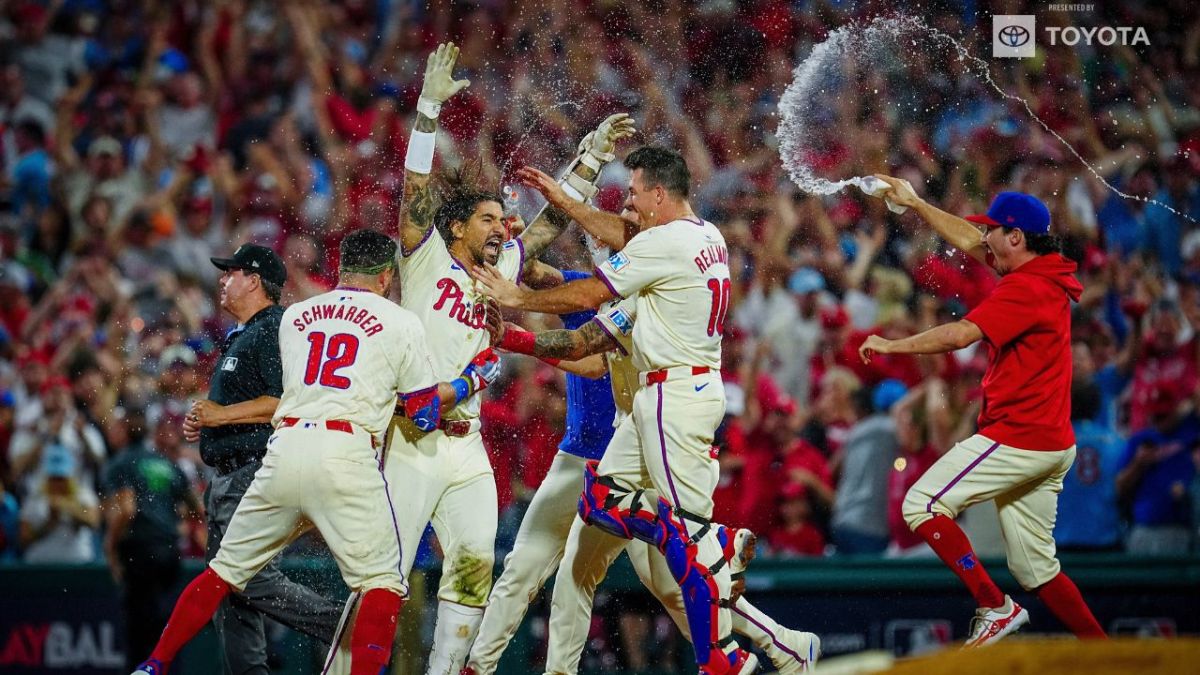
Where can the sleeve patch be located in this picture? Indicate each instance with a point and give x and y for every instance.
(621, 320)
(617, 261)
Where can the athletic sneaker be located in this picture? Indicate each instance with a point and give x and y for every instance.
(993, 623)
(799, 652)
(150, 667)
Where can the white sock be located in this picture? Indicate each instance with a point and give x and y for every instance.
(452, 637)
(762, 630)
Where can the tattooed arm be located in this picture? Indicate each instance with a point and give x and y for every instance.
(550, 221)
(416, 214)
(573, 345)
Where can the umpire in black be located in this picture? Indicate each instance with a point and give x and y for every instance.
(233, 426)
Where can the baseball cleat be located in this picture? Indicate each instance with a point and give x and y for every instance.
(151, 667)
(795, 652)
(993, 623)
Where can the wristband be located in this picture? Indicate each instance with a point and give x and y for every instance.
(518, 341)
(462, 389)
(429, 107)
(419, 158)
(550, 360)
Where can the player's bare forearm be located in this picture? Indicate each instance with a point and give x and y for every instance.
(416, 212)
(255, 411)
(587, 293)
(593, 367)
(957, 232)
(947, 337)
(609, 228)
(573, 345)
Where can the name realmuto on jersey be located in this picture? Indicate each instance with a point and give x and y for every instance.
(470, 315)
(362, 318)
(711, 255)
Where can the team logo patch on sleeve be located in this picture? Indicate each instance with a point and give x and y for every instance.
(229, 364)
(617, 261)
(621, 320)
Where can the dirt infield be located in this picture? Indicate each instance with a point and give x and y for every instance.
(1062, 657)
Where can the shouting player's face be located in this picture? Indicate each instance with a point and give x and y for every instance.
(483, 233)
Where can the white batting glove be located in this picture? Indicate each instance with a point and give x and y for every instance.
(439, 84)
(596, 149)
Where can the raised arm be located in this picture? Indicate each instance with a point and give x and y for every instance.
(416, 214)
(609, 228)
(565, 199)
(957, 232)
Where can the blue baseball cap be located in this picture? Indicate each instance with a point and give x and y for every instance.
(1016, 209)
(887, 393)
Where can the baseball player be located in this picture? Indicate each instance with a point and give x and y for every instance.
(453, 485)
(1025, 443)
(346, 354)
(549, 527)
(676, 265)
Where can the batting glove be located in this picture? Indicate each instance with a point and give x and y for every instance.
(481, 372)
(596, 149)
(439, 84)
(424, 408)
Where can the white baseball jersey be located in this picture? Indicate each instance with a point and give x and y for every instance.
(346, 354)
(440, 291)
(679, 273)
(617, 319)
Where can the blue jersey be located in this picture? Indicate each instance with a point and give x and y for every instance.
(1161, 495)
(1087, 507)
(590, 407)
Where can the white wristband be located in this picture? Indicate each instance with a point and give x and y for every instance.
(428, 107)
(419, 158)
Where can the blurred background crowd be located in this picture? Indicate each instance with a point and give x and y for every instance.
(139, 138)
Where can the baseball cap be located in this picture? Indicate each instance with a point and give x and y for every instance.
(887, 393)
(1016, 209)
(257, 259)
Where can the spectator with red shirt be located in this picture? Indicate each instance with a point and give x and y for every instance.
(1025, 444)
(795, 535)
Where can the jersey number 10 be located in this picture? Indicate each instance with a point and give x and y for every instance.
(324, 360)
(720, 305)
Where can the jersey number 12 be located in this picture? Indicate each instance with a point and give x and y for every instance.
(326, 357)
(720, 305)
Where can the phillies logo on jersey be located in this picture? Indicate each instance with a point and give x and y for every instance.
(473, 315)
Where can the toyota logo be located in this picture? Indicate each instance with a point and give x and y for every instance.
(1014, 36)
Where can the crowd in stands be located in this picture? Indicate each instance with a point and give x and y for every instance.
(139, 138)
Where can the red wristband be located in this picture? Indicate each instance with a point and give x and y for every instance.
(551, 360)
(518, 341)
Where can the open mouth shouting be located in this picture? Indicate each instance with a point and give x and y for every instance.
(491, 247)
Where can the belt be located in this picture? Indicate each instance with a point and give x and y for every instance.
(459, 428)
(659, 376)
(332, 425)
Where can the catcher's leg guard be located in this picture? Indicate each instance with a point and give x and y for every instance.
(611, 507)
(702, 599)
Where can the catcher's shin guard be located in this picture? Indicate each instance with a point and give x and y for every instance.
(702, 599)
(609, 506)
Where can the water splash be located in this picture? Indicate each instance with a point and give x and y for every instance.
(864, 45)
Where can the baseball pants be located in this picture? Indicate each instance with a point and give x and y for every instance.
(1025, 485)
(447, 480)
(316, 477)
(239, 619)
